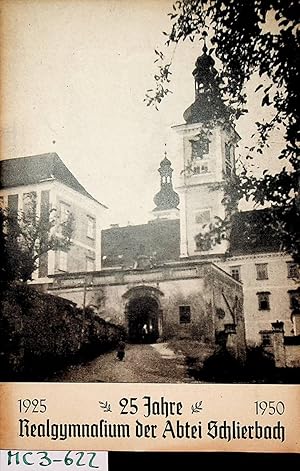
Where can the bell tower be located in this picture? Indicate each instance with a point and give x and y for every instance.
(208, 142)
(166, 200)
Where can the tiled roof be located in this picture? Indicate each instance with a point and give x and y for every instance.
(36, 169)
(251, 233)
(159, 239)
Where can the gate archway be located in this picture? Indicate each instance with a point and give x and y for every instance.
(143, 315)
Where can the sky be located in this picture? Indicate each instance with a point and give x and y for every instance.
(74, 75)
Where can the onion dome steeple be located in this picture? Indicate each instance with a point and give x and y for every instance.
(208, 104)
(166, 198)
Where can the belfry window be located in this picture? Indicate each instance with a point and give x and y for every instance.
(200, 148)
(166, 179)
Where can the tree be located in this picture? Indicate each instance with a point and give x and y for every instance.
(257, 38)
(25, 237)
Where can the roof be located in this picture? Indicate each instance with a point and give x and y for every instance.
(36, 169)
(205, 108)
(252, 233)
(121, 246)
(208, 104)
(159, 240)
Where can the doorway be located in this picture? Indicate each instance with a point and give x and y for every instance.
(142, 316)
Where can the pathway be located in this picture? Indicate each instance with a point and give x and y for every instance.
(144, 363)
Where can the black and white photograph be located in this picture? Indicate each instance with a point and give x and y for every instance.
(149, 191)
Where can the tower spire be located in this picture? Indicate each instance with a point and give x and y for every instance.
(166, 199)
(208, 104)
(208, 143)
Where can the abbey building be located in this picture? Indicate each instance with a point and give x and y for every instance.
(161, 274)
(163, 279)
(249, 252)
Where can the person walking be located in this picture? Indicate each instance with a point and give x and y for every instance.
(121, 350)
(144, 332)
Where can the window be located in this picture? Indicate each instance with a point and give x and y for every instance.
(200, 147)
(64, 212)
(229, 158)
(166, 179)
(91, 226)
(264, 301)
(236, 272)
(202, 217)
(29, 204)
(2, 202)
(90, 264)
(261, 271)
(184, 314)
(12, 203)
(295, 299)
(293, 270)
(62, 260)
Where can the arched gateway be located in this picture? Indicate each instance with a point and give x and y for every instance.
(143, 314)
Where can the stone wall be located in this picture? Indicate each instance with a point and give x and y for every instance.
(292, 356)
(285, 350)
(40, 331)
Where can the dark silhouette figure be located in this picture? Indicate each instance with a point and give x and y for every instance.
(121, 350)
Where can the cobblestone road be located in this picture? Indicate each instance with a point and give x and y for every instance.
(143, 363)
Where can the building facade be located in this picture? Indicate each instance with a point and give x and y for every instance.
(196, 301)
(250, 251)
(271, 290)
(45, 183)
(144, 268)
(207, 157)
(270, 278)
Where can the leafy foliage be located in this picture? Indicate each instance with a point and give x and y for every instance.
(252, 38)
(25, 237)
